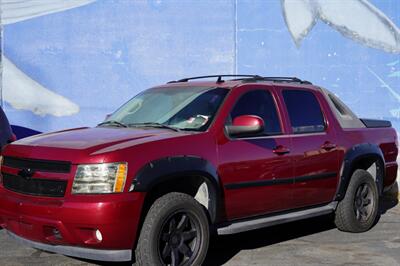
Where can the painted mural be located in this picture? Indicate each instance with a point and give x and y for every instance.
(68, 63)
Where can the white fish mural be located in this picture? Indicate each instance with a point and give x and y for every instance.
(16, 10)
(19, 90)
(358, 20)
(24, 93)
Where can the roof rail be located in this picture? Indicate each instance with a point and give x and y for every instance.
(280, 79)
(247, 78)
(219, 77)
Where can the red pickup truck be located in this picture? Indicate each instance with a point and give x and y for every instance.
(189, 158)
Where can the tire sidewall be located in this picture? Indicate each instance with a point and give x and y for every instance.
(187, 205)
(359, 178)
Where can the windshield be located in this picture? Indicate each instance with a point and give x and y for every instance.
(182, 108)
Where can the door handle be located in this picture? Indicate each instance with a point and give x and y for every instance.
(280, 150)
(328, 146)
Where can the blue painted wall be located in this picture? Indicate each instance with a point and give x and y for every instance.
(101, 54)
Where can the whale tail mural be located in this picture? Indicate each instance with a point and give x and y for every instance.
(16, 10)
(358, 20)
(19, 90)
(23, 93)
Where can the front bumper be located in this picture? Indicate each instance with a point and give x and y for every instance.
(87, 253)
(68, 225)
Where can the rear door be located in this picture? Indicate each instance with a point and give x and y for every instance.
(256, 170)
(314, 151)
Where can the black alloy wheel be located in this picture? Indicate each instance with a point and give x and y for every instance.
(175, 232)
(358, 211)
(363, 202)
(179, 240)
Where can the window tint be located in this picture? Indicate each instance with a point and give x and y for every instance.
(304, 111)
(260, 103)
(191, 108)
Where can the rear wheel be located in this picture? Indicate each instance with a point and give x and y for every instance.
(358, 211)
(175, 232)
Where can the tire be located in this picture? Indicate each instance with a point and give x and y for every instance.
(358, 210)
(175, 232)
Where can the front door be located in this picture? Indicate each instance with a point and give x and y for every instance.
(256, 171)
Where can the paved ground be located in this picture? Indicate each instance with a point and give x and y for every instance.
(313, 242)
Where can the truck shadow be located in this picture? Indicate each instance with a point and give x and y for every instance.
(224, 248)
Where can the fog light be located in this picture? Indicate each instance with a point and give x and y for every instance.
(99, 236)
(56, 233)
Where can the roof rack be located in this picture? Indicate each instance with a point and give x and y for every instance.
(246, 78)
(216, 76)
(279, 79)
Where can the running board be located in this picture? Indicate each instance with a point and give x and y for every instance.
(248, 225)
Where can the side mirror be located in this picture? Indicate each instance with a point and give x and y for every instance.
(246, 125)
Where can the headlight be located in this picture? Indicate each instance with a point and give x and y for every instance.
(100, 178)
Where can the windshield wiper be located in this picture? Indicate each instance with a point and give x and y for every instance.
(154, 124)
(112, 122)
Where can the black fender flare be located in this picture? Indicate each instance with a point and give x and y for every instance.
(351, 158)
(168, 168)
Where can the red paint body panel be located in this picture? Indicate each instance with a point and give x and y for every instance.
(255, 162)
(238, 161)
(73, 217)
(385, 138)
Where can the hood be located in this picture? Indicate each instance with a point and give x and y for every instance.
(85, 144)
(93, 138)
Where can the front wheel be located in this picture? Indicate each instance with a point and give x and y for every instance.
(358, 210)
(175, 232)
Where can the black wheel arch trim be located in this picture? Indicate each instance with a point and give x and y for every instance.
(169, 168)
(351, 158)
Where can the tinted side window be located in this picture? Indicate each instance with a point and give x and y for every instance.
(260, 103)
(304, 111)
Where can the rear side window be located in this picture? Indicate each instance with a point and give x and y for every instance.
(304, 111)
(262, 104)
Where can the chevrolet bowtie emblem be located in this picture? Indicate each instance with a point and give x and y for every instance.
(26, 173)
